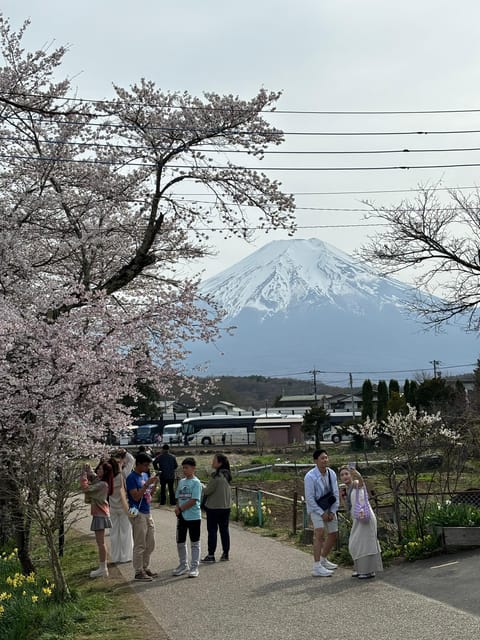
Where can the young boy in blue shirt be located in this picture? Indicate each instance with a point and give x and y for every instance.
(189, 519)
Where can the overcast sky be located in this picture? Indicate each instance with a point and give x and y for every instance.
(341, 55)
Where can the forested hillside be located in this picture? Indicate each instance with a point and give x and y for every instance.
(256, 392)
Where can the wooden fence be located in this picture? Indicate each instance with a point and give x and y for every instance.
(289, 512)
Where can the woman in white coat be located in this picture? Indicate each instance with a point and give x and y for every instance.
(121, 539)
(362, 544)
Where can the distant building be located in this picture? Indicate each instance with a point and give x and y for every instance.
(467, 379)
(321, 399)
(279, 431)
(166, 406)
(345, 402)
(227, 407)
(331, 403)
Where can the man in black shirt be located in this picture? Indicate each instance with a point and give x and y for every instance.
(166, 463)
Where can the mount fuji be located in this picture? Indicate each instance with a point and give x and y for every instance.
(303, 303)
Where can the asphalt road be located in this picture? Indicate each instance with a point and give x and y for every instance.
(266, 591)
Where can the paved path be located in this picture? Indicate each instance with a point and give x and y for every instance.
(266, 591)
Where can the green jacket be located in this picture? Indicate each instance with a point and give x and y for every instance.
(217, 493)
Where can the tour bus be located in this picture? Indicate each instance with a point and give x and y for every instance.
(336, 419)
(172, 434)
(223, 429)
(146, 433)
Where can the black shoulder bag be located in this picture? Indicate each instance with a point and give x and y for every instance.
(326, 501)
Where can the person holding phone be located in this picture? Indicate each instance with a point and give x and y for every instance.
(98, 487)
(140, 485)
(362, 544)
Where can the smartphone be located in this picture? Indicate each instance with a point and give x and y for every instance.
(352, 465)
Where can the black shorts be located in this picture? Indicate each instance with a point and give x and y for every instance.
(193, 528)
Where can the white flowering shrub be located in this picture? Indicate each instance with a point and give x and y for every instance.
(417, 438)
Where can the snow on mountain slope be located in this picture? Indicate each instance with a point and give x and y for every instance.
(287, 273)
(300, 303)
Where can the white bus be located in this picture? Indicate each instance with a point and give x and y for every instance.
(336, 419)
(223, 429)
(172, 433)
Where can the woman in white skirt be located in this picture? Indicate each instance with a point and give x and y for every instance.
(121, 539)
(362, 544)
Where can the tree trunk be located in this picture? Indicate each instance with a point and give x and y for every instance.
(62, 592)
(21, 526)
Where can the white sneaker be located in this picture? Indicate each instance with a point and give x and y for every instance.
(320, 571)
(180, 570)
(328, 565)
(99, 573)
(193, 572)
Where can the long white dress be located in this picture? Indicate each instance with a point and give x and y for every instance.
(363, 544)
(121, 539)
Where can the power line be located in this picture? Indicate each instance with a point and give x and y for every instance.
(269, 133)
(240, 227)
(273, 111)
(371, 191)
(367, 192)
(375, 113)
(321, 209)
(383, 371)
(235, 167)
(181, 199)
(378, 191)
(213, 149)
(454, 366)
(272, 228)
(346, 152)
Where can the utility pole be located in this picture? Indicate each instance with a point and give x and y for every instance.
(351, 391)
(435, 363)
(315, 386)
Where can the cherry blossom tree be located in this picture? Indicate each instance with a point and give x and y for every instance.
(97, 224)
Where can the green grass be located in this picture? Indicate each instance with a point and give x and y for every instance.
(264, 476)
(106, 609)
(266, 459)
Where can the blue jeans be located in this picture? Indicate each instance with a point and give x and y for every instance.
(217, 519)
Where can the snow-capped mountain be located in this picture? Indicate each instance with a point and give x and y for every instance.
(287, 273)
(303, 303)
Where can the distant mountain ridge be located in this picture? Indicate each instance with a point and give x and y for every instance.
(300, 303)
